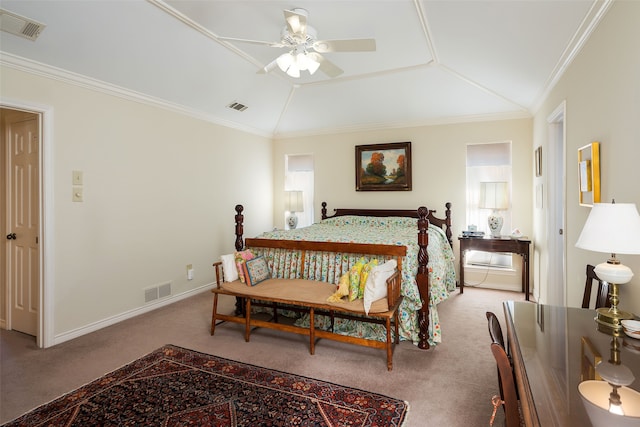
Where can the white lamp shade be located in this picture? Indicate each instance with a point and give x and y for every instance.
(612, 228)
(293, 201)
(494, 195)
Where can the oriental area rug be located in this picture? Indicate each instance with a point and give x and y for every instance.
(174, 386)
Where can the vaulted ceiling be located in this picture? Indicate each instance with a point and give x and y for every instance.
(435, 61)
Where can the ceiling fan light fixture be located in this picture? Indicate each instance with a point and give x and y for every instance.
(313, 66)
(306, 62)
(294, 71)
(285, 61)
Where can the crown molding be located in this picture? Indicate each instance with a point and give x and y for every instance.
(598, 10)
(69, 77)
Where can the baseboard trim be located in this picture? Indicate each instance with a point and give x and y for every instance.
(92, 327)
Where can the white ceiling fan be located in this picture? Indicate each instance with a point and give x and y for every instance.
(304, 49)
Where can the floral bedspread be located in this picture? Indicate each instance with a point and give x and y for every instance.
(387, 230)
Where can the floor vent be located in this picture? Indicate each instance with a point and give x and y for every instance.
(159, 291)
(19, 25)
(237, 106)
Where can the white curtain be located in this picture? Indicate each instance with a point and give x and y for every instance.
(299, 176)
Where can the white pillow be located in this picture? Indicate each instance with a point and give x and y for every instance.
(229, 268)
(376, 285)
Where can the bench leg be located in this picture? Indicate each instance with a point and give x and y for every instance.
(247, 319)
(213, 314)
(389, 347)
(312, 332)
(397, 331)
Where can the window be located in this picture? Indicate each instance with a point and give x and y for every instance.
(487, 163)
(298, 175)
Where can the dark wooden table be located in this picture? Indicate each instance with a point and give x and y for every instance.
(497, 244)
(553, 350)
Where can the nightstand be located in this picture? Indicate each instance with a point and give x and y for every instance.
(497, 244)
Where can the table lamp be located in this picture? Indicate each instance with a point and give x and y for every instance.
(495, 196)
(612, 228)
(292, 204)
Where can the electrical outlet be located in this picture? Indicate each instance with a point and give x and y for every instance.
(190, 274)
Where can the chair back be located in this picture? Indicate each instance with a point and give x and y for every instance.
(602, 297)
(507, 384)
(495, 330)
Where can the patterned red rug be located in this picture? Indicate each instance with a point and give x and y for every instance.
(173, 386)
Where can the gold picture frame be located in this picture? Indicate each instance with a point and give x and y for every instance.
(589, 174)
(538, 157)
(589, 358)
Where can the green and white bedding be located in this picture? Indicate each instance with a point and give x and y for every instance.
(387, 230)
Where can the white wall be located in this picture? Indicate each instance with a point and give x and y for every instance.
(438, 158)
(159, 193)
(602, 93)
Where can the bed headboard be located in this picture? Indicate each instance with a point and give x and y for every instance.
(444, 223)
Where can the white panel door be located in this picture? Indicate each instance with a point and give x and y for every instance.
(24, 222)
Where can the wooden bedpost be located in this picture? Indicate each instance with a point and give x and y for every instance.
(422, 278)
(240, 305)
(324, 210)
(447, 214)
(239, 228)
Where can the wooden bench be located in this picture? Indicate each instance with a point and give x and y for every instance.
(310, 296)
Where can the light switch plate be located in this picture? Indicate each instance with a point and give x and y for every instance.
(77, 194)
(77, 178)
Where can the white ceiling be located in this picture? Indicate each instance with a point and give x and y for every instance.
(435, 62)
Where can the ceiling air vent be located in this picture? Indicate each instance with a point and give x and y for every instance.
(19, 25)
(237, 106)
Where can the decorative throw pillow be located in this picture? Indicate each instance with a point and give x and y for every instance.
(376, 286)
(241, 257)
(343, 289)
(364, 274)
(229, 269)
(256, 270)
(354, 279)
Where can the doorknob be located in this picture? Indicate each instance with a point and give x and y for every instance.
(11, 236)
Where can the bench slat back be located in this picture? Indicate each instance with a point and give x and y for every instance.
(322, 261)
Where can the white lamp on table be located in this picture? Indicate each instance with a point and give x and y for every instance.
(495, 196)
(612, 228)
(292, 204)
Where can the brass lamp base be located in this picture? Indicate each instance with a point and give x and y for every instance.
(612, 318)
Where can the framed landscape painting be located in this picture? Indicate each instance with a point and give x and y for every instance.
(383, 167)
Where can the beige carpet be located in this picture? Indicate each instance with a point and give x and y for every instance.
(450, 385)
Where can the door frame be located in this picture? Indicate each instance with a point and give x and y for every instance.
(556, 211)
(45, 334)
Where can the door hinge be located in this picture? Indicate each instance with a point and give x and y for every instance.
(37, 240)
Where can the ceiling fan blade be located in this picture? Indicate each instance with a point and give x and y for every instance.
(268, 68)
(259, 42)
(326, 66)
(296, 21)
(354, 45)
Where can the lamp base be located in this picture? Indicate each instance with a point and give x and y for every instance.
(495, 224)
(292, 221)
(612, 318)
